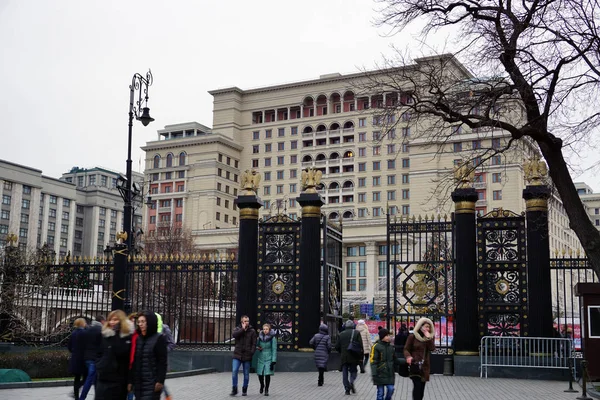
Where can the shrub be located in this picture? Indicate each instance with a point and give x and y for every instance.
(38, 363)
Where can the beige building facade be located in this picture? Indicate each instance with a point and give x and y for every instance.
(369, 171)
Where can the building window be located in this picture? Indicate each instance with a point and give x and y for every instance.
(280, 160)
(391, 195)
(362, 151)
(391, 179)
(405, 163)
(496, 144)
(268, 133)
(51, 226)
(376, 165)
(391, 164)
(5, 214)
(362, 167)
(267, 190)
(7, 185)
(376, 211)
(294, 130)
(255, 149)
(279, 189)
(376, 180)
(293, 159)
(497, 194)
(268, 162)
(255, 135)
(362, 197)
(79, 221)
(6, 199)
(376, 196)
(3, 229)
(377, 135)
(391, 148)
(362, 269)
(113, 225)
(476, 144)
(101, 223)
(280, 175)
(181, 174)
(255, 163)
(52, 213)
(406, 194)
(497, 160)
(26, 189)
(268, 176)
(362, 122)
(406, 132)
(25, 203)
(457, 147)
(293, 173)
(281, 132)
(102, 211)
(351, 251)
(25, 218)
(292, 188)
(267, 147)
(362, 137)
(497, 177)
(65, 215)
(376, 150)
(405, 210)
(362, 182)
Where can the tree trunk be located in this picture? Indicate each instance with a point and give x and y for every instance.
(579, 220)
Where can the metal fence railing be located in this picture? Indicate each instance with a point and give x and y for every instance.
(525, 352)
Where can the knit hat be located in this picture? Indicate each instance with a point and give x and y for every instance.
(383, 333)
(349, 324)
(361, 322)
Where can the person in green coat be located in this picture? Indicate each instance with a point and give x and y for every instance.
(267, 357)
(383, 360)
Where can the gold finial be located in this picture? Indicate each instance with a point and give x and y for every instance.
(232, 256)
(464, 175)
(535, 171)
(310, 179)
(11, 239)
(121, 237)
(250, 180)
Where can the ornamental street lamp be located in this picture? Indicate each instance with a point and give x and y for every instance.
(121, 298)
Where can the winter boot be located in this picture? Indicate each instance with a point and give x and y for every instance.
(244, 390)
(261, 379)
(267, 383)
(233, 391)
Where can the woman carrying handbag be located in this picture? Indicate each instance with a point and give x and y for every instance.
(417, 352)
(321, 342)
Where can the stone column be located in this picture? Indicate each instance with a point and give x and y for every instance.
(248, 204)
(536, 196)
(372, 271)
(466, 332)
(310, 258)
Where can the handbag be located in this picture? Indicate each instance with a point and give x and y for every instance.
(315, 345)
(402, 368)
(354, 347)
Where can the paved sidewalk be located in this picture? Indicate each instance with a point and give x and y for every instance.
(303, 386)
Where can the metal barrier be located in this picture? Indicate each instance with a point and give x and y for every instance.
(525, 352)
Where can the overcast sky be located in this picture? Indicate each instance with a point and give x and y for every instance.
(66, 66)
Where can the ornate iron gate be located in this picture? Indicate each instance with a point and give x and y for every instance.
(420, 257)
(502, 274)
(331, 305)
(278, 275)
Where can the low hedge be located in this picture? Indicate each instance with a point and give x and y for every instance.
(38, 363)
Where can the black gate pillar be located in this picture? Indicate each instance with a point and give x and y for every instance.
(536, 196)
(310, 258)
(248, 204)
(466, 331)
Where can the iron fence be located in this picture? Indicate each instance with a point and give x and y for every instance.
(195, 296)
(567, 271)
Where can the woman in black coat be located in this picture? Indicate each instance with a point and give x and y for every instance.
(77, 348)
(321, 342)
(112, 367)
(149, 369)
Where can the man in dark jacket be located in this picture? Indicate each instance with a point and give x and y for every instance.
(245, 345)
(93, 347)
(383, 360)
(350, 360)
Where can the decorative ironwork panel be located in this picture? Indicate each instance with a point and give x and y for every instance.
(278, 278)
(420, 261)
(332, 288)
(502, 274)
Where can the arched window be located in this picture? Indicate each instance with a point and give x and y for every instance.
(169, 160)
(156, 161)
(182, 158)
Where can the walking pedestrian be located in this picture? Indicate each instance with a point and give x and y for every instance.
(76, 346)
(267, 357)
(245, 346)
(363, 329)
(383, 360)
(321, 342)
(417, 351)
(92, 338)
(350, 359)
(150, 362)
(400, 340)
(112, 368)
(166, 332)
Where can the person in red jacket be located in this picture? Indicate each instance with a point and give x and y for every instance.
(133, 317)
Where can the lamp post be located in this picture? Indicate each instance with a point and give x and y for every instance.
(121, 298)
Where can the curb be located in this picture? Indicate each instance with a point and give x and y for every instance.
(69, 382)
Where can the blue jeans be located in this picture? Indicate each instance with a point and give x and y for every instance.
(90, 380)
(353, 369)
(381, 389)
(235, 368)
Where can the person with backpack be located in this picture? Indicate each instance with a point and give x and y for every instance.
(321, 342)
(147, 377)
(383, 362)
(350, 346)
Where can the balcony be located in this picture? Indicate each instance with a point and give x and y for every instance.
(480, 185)
(348, 160)
(481, 203)
(321, 162)
(164, 209)
(321, 133)
(336, 190)
(307, 134)
(348, 189)
(307, 163)
(334, 133)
